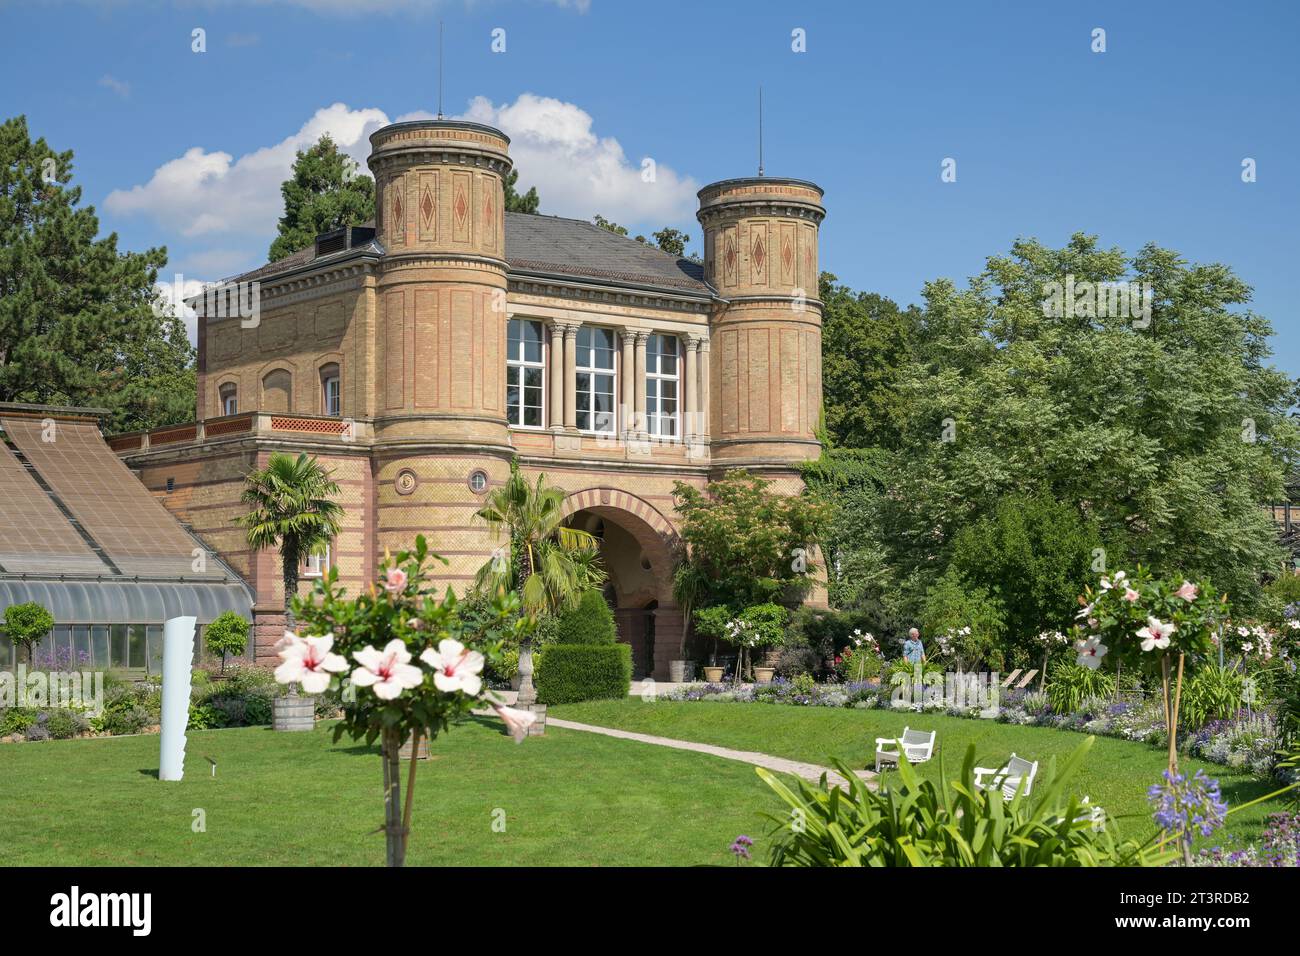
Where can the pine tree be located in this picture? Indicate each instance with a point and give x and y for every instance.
(326, 191)
(77, 319)
(515, 202)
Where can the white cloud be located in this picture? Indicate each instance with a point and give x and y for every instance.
(578, 173)
(211, 198)
(202, 193)
(120, 87)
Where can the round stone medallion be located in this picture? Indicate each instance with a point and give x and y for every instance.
(406, 481)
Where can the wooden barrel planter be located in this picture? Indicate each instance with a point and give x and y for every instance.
(293, 713)
(404, 752)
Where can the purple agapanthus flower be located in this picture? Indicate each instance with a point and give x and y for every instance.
(1187, 805)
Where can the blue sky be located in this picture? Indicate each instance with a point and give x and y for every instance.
(1143, 142)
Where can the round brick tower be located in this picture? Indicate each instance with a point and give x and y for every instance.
(760, 253)
(440, 336)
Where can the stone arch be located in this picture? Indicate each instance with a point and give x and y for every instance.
(655, 642)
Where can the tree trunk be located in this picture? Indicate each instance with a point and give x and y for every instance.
(396, 851)
(289, 558)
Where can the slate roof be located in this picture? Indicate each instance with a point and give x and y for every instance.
(552, 246)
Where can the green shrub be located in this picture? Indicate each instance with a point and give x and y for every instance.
(226, 635)
(829, 632)
(1212, 693)
(913, 822)
(16, 720)
(206, 717)
(65, 724)
(590, 622)
(574, 672)
(328, 705)
(796, 660)
(502, 671)
(1071, 684)
(900, 668)
(1285, 590)
(1288, 716)
(123, 712)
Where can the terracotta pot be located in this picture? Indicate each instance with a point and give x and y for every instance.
(763, 675)
(713, 674)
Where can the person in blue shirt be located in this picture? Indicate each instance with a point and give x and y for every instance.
(913, 649)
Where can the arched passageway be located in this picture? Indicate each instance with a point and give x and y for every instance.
(637, 550)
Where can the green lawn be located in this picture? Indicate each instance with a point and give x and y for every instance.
(569, 798)
(1115, 775)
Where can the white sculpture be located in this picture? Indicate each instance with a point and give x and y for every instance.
(178, 661)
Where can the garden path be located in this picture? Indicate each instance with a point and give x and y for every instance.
(809, 771)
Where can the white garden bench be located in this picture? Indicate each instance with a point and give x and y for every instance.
(1007, 778)
(917, 744)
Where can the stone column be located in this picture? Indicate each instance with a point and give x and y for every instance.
(642, 339)
(705, 399)
(555, 370)
(628, 373)
(571, 377)
(690, 401)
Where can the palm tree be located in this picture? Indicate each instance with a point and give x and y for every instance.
(290, 505)
(549, 564)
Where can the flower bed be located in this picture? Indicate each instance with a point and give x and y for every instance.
(1247, 741)
(241, 698)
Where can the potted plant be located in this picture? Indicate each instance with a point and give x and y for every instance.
(758, 626)
(712, 623)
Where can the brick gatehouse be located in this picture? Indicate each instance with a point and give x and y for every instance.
(417, 355)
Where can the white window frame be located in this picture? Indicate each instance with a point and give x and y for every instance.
(337, 381)
(315, 565)
(591, 371)
(516, 363)
(654, 379)
(229, 399)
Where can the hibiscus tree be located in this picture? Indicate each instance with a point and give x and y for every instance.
(1153, 625)
(410, 663)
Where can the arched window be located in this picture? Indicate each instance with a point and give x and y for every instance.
(229, 394)
(277, 387)
(331, 390)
